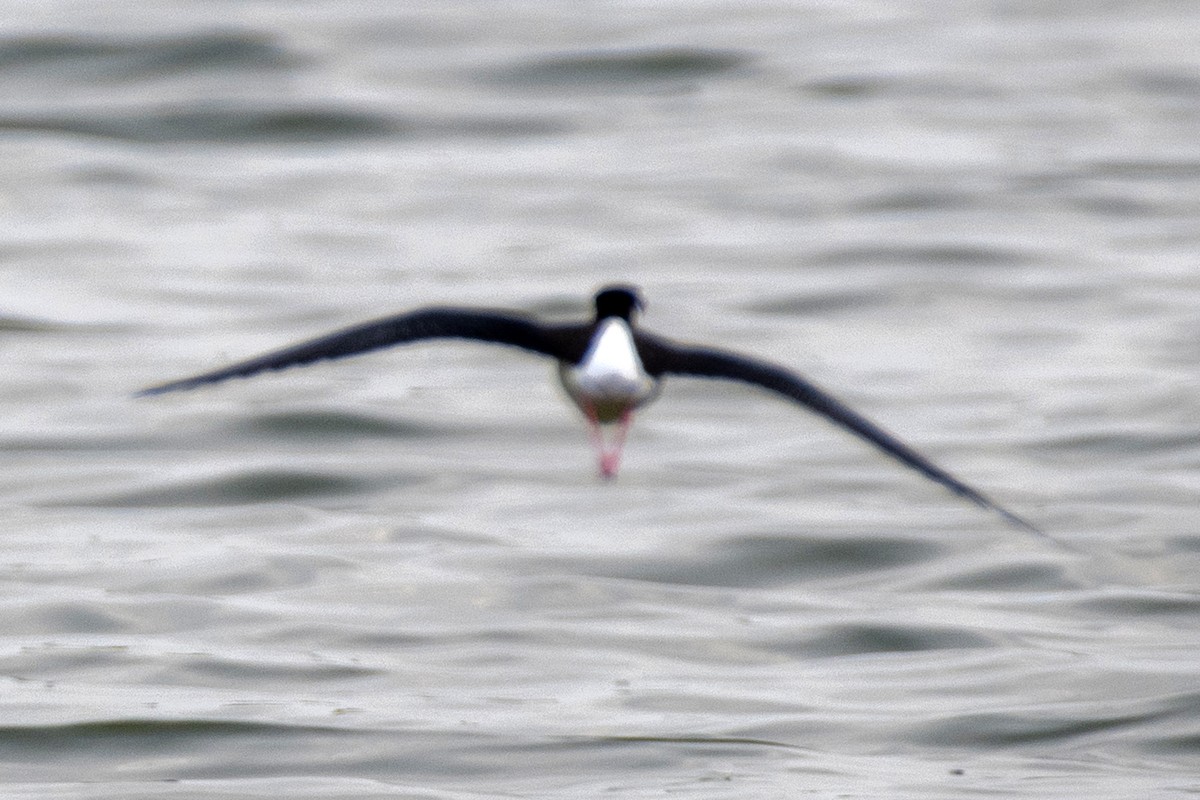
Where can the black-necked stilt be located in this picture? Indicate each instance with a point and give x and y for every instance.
(608, 366)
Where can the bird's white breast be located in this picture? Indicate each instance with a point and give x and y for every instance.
(610, 374)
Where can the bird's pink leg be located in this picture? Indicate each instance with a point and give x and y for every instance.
(596, 435)
(610, 458)
(609, 453)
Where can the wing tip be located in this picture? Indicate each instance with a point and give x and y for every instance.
(152, 391)
(1017, 521)
(168, 387)
(1025, 526)
(1011, 517)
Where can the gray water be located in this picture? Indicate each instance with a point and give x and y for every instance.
(398, 576)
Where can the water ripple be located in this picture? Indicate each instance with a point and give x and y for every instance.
(771, 560)
(239, 123)
(861, 639)
(934, 254)
(1043, 726)
(620, 69)
(128, 57)
(216, 124)
(241, 487)
(308, 424)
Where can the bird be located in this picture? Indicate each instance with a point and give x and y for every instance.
(609, 366)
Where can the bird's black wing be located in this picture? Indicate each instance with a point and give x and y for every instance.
(500, 327)
(660, 356)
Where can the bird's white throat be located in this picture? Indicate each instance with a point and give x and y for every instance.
(611, 366)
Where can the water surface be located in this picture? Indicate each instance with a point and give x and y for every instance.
(398, 576)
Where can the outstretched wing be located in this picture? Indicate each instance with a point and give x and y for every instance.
(662, 357)
(500, 327)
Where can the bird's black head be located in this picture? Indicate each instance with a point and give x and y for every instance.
(617, 301)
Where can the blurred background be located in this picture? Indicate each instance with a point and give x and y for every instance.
(977, 222)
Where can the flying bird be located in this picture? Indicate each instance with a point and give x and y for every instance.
(609, 367)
